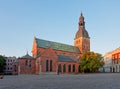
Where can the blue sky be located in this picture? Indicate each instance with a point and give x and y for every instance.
(57, 20)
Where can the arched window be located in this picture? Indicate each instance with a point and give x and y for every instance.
(47, 65)
(50, 65)
(73, 68)
(64, 68)
(69, 68)
(59, 68)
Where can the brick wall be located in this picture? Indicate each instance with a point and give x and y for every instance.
(27, 66)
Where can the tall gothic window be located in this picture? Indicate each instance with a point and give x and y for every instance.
(73, 68)
(47, 65)
(50, 65)
(69, 68)
(64, 68)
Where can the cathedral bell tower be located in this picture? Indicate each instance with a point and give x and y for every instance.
(82, 39)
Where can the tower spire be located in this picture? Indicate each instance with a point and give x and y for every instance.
(82, 39)
(81, 21)
(81, 14)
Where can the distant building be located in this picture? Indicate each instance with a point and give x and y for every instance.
(108, 62)
(10, 64)
(116, 60)
(112, 61)
(56, 58)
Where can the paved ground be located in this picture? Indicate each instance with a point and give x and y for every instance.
(86, 81)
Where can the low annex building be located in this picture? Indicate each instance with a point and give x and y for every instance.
(56, 58)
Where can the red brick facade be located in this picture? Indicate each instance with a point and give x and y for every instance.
(26, 66)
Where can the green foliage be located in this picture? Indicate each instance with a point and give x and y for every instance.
(91, 62)
(2, 63)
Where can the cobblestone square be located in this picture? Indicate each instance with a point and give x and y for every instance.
(82, 81)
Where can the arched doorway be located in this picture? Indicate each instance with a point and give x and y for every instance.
(59, 68)
(64, 68)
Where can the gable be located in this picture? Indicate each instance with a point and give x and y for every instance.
(56, 46)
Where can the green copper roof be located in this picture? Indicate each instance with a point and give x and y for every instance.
(27, 56)
(63, 58)
(56, 46)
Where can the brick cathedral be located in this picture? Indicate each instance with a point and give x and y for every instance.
(56, 58)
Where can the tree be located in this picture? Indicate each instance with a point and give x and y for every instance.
(91, 62)
(2, 63)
